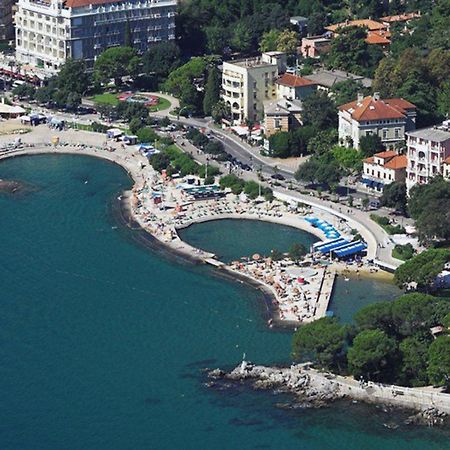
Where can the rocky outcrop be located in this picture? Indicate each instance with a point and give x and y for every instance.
(295, 380)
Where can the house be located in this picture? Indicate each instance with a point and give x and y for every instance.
(399, 18)
(389, 119)
(377, 32)
(326, 79)
(294, 87)
(248, 83)
(282, 115)
(315, 46)
(300, 22)
(428, 153)
(384, 168)
(446, 168)
(48, 32)
(369, 24)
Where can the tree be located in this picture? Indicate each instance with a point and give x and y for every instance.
(371, 354)
(321, 169)
(115, 63)
(147, 135)
(376, 316)
(429, 206)
(439, 361)
(297, 252)
(276, 255)
(269, 41)
(24, 91)
(322, 340)
(319, 111)
(72, 77)
(394, 196)
(161, 59)
(220, 111)
(350, 52)
(371, 144)
(414, 355)
(287, 42)
(316, 22)
(347, 91)
(212, 91)
(422, 269)
(322, 142)
(242, 39)
(280, 144)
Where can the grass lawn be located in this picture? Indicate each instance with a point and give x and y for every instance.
(162, 104)
(106, 98)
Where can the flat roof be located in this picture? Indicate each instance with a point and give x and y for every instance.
(431, 134)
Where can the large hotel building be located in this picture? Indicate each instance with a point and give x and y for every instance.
(50, 31)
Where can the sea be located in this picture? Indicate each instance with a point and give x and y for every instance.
(104, 337)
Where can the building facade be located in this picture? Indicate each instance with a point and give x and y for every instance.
(384, 168)
(293, 87)
(282, 115)
(315, 46)
(248, 83)
(50, 31)
(427, 152)
(6, 20)
(389, 119)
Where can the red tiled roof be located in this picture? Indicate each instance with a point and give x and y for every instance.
(378, 37)
(397, 162)
(370, 109)
(401, 17)
(369, 160)
(386, 154)
(294, 81)
(368, 23)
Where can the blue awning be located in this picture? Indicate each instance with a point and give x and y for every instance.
(317, 245)
(351, 249)
(332, 247)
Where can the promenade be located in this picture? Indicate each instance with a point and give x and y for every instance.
(295, 301)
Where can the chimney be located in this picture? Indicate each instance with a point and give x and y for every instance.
(376, 96)
(360, 97)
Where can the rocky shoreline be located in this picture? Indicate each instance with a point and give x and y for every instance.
(10, 186)
(312, 389)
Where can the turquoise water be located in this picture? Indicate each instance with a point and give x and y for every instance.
(102, 340)
(231, 239)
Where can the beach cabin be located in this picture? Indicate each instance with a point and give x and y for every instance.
(130, 139)
(114, 133)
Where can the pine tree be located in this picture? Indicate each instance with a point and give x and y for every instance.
(212, 91)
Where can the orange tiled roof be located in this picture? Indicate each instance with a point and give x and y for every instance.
(368, 23)
(370, 109)
(386, 154)
(294, 81)
(397, 162)
(369, 160)
(378, 37)
(401, 17)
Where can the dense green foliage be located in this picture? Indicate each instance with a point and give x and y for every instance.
(115, 63)
(394, 196)
(429, 205)
(422, 268)
(385, 223)
(250, 188)
(350, 52)
(403, 252)
(322, 341)
(389, 342)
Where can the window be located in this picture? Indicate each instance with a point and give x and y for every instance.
(397, 133)
(385, 133)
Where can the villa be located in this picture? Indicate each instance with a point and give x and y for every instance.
(389, 119)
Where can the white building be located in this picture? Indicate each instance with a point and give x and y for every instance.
(50, 31)
(247, 83)
(427, 152)
(384, 168)
(389, 119)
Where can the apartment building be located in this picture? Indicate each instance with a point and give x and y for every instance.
(428, 151)
(50, 31)
(248, 83)
(384, 168)
(389, 119)
(6, 20)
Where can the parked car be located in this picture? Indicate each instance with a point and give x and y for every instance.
(278, 176)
